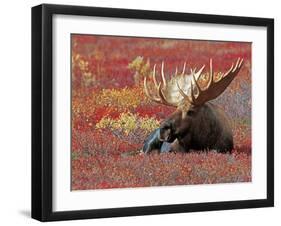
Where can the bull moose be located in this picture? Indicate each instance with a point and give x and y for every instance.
(196, 124)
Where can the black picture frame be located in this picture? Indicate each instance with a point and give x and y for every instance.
(42, 106)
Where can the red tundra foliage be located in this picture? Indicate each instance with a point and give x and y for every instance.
(108, 157)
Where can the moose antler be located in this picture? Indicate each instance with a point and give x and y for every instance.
(203, 94)
(160, 97)
(213, 88)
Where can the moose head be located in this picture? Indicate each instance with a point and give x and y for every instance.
(196, 123)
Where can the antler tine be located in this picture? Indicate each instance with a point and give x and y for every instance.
(233, 68)
(153, 75)
(183, 69)
(238, 64)
(241, 62)
(211, 75)
(192, 94)
(229, 71)
(192, 70)
(176, 72)
(199, 73)
(147, 92)
(162, 74)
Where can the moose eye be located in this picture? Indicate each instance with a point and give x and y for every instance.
(166, 126)
(190, 113)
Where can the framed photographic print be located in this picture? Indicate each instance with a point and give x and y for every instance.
(146, 112)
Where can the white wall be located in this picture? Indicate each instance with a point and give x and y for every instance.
(15, 107)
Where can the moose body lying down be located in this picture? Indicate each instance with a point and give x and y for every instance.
(196, 124)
